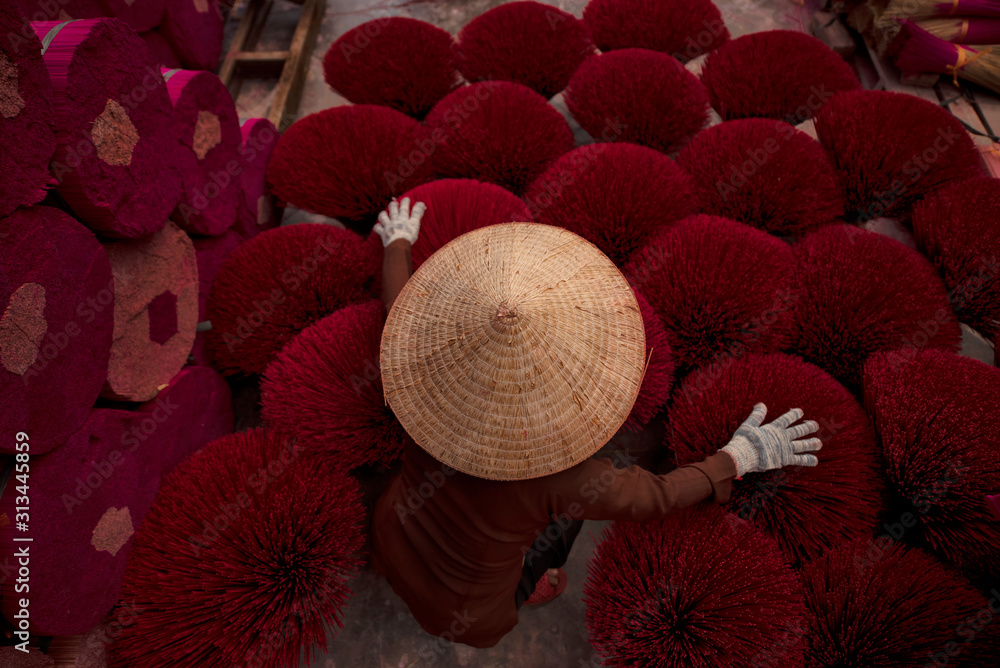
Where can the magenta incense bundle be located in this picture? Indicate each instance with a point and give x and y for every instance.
(85, 494)
(207, 130)
(27, 119)
(116, 159)
(764, 173)
(639, 96)
(194, 29)
(256, 211)
(721, 288)
(163, 56)
(325, 390)
(56, 322)
(938, 423)
(396, 62)
(210, 252)
(348, 162)
(142, 15)
(156, 312)
(613, 195)
(862, 292)
(195, 407)
(495, 131)
(457, 206)
(527, 42)
(781, 74)
(796, 505)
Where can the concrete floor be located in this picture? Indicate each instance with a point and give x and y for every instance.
(379, 630)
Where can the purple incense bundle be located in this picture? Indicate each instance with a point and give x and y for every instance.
(27, 120)
(196, 407)
(194, 29)
(56, 322)
(116, 158)
(795, 505)
(257, 210)
(457, 206)
(208, 132)
(142, 15)
(163, 56)
(209, 252)
(84, 500)
(156, 312)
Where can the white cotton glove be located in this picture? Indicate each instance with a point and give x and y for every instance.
(757, 448)
(399, 222)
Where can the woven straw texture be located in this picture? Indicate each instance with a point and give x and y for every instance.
(515, 351)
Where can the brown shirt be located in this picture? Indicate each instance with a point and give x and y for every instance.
(451, 545)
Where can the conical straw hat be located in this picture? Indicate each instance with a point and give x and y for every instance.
(513, 352)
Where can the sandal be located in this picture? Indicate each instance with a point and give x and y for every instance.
(544, 591)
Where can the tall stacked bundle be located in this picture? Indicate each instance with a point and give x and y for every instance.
(890, 149)
(348, 162)
(256, 211)
(94, 487)
(938, 423)
(536, 45)
(721, 288)
(613, 195)
(696, 589)
(210, 253)
(808, 510)
(194, 29)
(765, 174)
(685, 30)
(638, 96)
(116, 158)
(495, 131)
(207, 130)
(659, 378)
(280, 282)
(26, 128)
(163, 56)
(142, 15)
(56, 322)
(887, 606)
(754, 76)
(457, 206)
(862, 292)
(196, 407)
(271, 557)
(393, 61)
(956, 228)
(325, 389)
(156, 312)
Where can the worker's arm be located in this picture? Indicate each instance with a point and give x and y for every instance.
(599, 491)
(398, 228)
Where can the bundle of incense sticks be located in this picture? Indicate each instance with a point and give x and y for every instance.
(923, 52)
(971, 30)
(920, 9)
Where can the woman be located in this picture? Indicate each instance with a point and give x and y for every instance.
(481, 517)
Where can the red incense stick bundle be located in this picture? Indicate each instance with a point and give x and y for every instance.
(159, 47)
(56, 321)
(208, 133)
(27, 119)
(924, 52)
(116, 158)
(257, 210)
(156, 312)
(210, 252)
(142, 15)
(194, 29)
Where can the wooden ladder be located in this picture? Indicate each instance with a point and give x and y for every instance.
(243, 60)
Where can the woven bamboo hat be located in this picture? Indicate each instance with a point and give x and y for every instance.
(515, 351)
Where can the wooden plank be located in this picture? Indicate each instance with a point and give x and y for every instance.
(245, 39)
(289, 89)
(262, 56)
